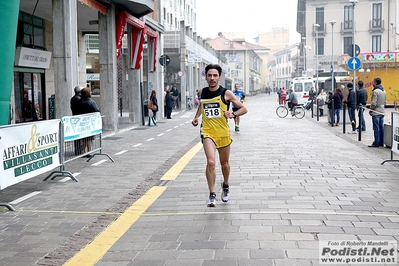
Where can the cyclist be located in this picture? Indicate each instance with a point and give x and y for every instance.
(240, 94)
(292, 101)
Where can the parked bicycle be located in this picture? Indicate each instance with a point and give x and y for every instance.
(298, 111)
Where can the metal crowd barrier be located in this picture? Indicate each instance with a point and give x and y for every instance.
(34, 148)
(82, 135)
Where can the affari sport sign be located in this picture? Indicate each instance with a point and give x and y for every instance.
(28, 150)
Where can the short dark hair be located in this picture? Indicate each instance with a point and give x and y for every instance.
(377, 81)
(213, 66)
(360, 83)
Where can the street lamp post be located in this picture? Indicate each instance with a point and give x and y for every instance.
(317, 26)
(332, 22)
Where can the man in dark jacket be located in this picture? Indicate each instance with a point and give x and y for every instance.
(75, 101)
(351, 103)
(75, 107)
(169, 104)
(361, 99)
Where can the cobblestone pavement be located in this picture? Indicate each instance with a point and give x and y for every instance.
(294, 182)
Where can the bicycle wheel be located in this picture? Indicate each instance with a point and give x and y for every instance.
(299, 112)
(282, 111)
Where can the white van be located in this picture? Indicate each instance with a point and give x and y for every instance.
(302, 86)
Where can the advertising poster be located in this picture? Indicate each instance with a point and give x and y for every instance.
(28, 150)
(80, 126)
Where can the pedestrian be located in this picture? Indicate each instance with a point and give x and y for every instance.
(279, 95)
(337, 98)
(378, 101)
(283, 95)
(321, 101)
(351, 103)
(166, 90)
(215, 131)
(74, 103)
(175, 94)
(361, 99)
(87, 105)
(169, 101)
(154, 100)
(312, 94)
(240, 95)
(330, 107)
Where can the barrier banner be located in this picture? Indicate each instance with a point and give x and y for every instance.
(395, 132)
(80, 126)
(28, 150)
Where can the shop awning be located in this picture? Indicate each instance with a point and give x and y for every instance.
(139, 34)
(152, 49)
(95, 5)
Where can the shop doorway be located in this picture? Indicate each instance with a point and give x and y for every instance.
(29, 97)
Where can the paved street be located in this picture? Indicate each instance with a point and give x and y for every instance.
(294, 182)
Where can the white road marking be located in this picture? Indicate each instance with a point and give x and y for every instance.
(121, 152)
(25, 197)
(168, 130)
(99, 162)
(150, 139)
(68, 178)
(160, 134)
(138, 144)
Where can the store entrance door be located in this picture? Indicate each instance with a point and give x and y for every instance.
(29, 97)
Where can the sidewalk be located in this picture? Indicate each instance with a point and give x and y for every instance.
(294, 182)
(366, 138)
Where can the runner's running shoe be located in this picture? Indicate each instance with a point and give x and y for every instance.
(225, 192)
(212, 200)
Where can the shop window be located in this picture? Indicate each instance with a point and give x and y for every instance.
(28, 97)
(30, 31)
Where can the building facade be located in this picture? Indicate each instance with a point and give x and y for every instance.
(242, 62)
(329, 28)
(110, 46)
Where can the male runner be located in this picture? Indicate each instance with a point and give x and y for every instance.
(215, 131)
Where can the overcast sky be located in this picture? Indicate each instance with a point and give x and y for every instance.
(215, 16)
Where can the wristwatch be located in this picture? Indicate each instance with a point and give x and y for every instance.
(235, 114)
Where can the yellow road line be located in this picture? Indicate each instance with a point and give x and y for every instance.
(97, 248)
(91, 253)
(179, 166)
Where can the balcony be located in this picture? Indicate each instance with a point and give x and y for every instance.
(347, 27)
(376, 25)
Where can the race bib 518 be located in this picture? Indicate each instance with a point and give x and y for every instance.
(212, 110)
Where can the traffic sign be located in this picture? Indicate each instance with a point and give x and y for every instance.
(164, 60)
(354, 63)
(350, 50)
(180, 73)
